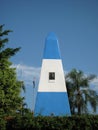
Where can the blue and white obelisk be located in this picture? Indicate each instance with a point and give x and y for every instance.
(52, 94)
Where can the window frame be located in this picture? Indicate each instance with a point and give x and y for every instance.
(51, 76)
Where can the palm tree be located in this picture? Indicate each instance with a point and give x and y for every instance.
(79, 92)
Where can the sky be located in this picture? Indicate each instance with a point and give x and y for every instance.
(75, 23)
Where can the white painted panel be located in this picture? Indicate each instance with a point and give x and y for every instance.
(57, 85)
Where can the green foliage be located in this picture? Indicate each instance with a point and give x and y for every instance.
(6, 52)
(2, 120)
(22, 120)
(26, 122)
(79, 92)
(10, 87)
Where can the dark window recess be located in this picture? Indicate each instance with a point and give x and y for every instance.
(51, 76)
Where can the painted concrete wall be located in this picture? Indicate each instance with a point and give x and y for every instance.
(52, 95)
(57, 85)
(52, 103)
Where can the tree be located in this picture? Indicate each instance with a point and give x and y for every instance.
(10, 86)
(79, 92)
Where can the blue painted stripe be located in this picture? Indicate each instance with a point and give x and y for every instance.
(51, 50)
(48, 103)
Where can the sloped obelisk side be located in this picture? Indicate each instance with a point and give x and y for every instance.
(52, 96)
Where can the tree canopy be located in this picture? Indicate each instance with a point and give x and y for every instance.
(10, 86)
(79, 92)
